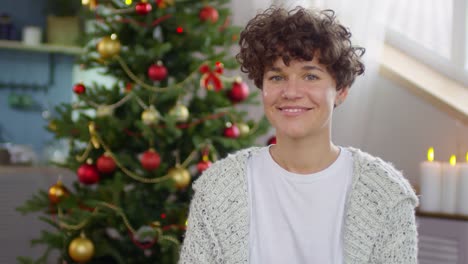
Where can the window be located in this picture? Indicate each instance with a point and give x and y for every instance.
(432, 31)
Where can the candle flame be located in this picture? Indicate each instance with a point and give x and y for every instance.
(430, 154)
(453, 160)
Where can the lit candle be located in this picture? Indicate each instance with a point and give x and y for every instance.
(449, 186)
(430, 182)
(463, 188)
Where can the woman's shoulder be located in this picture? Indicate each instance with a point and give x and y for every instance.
(381, 178)
(227, 171)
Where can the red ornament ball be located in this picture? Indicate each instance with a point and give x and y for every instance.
(179, 30)
(88, 174)
(143, 8)
(232, 131)
(203, 165)
(271, 141)
(106, 164)
(150, 160)
(157, 72)
(239, 92)
(209, 13)
(79, 88)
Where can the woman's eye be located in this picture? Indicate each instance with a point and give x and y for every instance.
(275, 78)
(311, 77)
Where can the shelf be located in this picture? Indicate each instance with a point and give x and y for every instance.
(18, 169)
(446, 94)
(457, 217)
(47, 48)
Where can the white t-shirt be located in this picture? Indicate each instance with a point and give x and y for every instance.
(297, 218)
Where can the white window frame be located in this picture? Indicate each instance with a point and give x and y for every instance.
(456, 67)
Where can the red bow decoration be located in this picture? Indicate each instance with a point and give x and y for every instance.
(211, 78)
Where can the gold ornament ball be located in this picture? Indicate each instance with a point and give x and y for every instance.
(108, 47)
(180, 176)
(52, 125)
(180, 113)
(57, 192)
(81, 249)
(244, 129)
(104, 110)
(150, 116)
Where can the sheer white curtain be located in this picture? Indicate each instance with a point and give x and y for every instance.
(365, 19)
(244, 10)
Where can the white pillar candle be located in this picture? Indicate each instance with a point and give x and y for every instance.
(449, 186)
(430, 184)
(463, 188)
(32, 35)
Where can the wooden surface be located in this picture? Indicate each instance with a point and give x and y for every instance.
(13, 169)
(421, 80)
(18, 45)
(443, 216)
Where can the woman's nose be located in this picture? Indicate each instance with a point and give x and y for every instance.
(291, 90)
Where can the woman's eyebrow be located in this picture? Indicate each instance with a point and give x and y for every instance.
(311, 67)
(274, 69)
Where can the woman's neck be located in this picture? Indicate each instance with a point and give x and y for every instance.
(304, 156)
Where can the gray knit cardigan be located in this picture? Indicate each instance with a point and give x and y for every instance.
(379, 225)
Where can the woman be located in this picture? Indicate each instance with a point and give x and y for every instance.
(304, 199)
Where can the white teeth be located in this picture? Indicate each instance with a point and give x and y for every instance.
(293, 110)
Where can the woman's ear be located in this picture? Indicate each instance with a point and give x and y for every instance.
(341, 95)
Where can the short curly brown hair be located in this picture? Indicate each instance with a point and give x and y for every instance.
(299, 34)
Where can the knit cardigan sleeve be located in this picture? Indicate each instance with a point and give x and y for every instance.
(199, 245)
(399, 237)
(218, 218)
(397, 241)
(381, 225)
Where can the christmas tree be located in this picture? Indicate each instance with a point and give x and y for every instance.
(137, 146)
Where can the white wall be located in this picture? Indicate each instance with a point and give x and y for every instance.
(244, 10)
(401, 127)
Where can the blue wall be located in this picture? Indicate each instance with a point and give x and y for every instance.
(27, 127)
(25, 13)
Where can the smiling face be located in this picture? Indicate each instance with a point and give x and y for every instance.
(298, 99)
